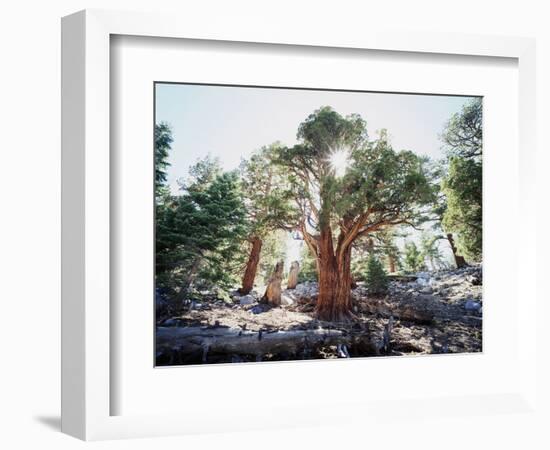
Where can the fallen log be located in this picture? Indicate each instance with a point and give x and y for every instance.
(402, 278)
(237, 341)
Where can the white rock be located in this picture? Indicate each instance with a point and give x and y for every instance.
(472, 305)
(286, 300)
(422, 281)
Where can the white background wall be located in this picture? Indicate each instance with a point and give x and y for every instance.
(29, 228)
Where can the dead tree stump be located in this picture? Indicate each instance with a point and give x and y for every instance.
(293, 275)
(272, 294)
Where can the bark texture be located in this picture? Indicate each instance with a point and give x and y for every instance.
(334, 300)
(251, 266)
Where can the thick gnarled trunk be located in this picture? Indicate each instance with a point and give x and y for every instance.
(459, 260)
(251, 266)
(334, 300)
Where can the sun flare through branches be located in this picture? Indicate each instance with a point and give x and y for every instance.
(339, 161)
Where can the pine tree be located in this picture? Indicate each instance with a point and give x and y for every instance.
(163, 142)
(376, 278)
(430, 250)
(463, 184)
(414, 260)
(198, 233)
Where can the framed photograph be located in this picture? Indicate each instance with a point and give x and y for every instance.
(334, 246)
(291, 216)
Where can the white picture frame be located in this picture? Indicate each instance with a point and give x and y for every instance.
(86, 284)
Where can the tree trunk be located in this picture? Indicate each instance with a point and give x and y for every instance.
(459, 260)
(293, 275)
(392, 264)
(334, 300)
(251, 266)
(182, 294)
(272, 294)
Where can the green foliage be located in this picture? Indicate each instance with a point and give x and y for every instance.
(463, 134)
(462, 185)
(308, 267)
(163, 142)
(199, 233)
(273, 251)
(463, 216)
(380, 245)
(269, 202)
(223, 295)
(376, 278)
(429, 245)
(387, 185)
(413, 258)
(201, 174)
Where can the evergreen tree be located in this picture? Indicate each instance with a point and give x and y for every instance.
(163, 142)
(268, 206)
(414, 260)
(273, 251)
(438, 172)
(201, 174)
(430, 250)
(381, 245)
(198, 233)
(308, 266)
(376, 278)
(463, 184)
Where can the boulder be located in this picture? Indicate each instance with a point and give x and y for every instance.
(246, 300)
(472, 305)
(286, 300)
(258, 309)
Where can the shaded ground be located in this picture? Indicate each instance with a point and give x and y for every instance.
(437, 312)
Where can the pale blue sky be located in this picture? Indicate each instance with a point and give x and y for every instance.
(231, 122)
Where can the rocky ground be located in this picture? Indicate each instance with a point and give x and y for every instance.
(429, 313)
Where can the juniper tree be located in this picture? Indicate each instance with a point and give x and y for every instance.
(347, 187)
